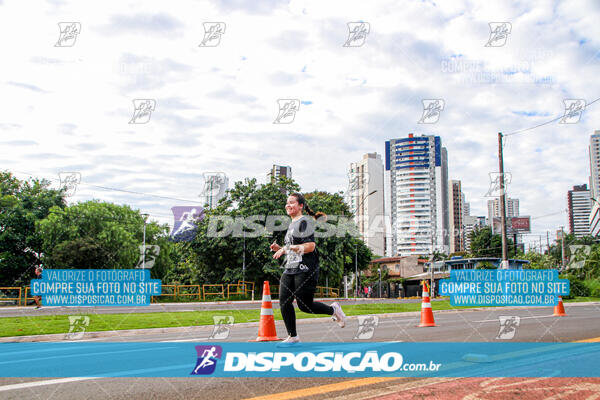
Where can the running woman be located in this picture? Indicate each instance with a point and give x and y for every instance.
(299, 280)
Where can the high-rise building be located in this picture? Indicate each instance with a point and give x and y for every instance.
(595, 164)
(471, 223)
(579, 207)
(365, 200)
(279, 170)
(512, 208)
(594, 217)
(416, 183)
(456, 210)
(466, 206)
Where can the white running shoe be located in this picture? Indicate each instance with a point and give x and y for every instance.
(290, 341)
(338, 314)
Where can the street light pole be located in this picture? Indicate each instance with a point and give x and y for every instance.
(356, 245)
(356, 268)
(145, 217)
(502, 204)
(379, 270)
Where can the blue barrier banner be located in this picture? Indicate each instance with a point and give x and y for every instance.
(366, 359)
(96, 287)
(476, 287)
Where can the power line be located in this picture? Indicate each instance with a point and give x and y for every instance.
(120, 190)
(545, 123)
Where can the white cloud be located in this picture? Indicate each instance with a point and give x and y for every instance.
(68, 108)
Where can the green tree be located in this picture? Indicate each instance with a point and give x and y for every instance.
(219, 257)
(539, 261)
(22, 204)
(486, 244)
(96, 234)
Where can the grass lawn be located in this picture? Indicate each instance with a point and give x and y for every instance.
(39, 325)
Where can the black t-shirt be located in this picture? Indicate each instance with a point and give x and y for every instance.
(301, 231)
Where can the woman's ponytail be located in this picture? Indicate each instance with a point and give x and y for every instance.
(316, 215)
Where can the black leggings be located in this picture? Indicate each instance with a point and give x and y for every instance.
(302, 287)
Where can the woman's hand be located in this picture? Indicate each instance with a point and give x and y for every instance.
(275, 247)
(278, 253)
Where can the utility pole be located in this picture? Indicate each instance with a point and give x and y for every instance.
(548, 242)
(244, 263)
(356, 268)
(431, 266)
(562, 247)
(502, 204)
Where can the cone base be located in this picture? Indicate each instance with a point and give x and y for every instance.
(425, 325)
(266, 339)
(559, 314)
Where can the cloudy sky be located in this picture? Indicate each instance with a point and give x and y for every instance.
(68, 107)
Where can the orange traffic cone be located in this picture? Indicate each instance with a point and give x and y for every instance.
(559, 309)
(426, 312)
(266, 327)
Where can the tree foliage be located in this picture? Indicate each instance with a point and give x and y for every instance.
(486, 244)
(96, 234)
(220, 259)
(22, 204)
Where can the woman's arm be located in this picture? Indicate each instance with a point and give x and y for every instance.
(307, 247)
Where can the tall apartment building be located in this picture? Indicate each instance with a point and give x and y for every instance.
(512, 208)
(595, 164)
(470, 224)
(279, 170)
(579, 207)
(466, 206)
(416, 193)
(365, 200)
(594, 217)
(455, 200)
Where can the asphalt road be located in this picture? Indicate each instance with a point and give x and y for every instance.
(175, 307)
(536, 324)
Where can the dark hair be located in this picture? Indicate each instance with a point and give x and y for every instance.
(301, 200)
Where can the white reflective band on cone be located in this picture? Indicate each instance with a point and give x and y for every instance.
(426, 305)
(425, 294)
(266, 297)
(266, 311)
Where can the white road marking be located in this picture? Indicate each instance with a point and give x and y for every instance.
(26, 385)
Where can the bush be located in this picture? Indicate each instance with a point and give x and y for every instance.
(593, 285)
(578, 288)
